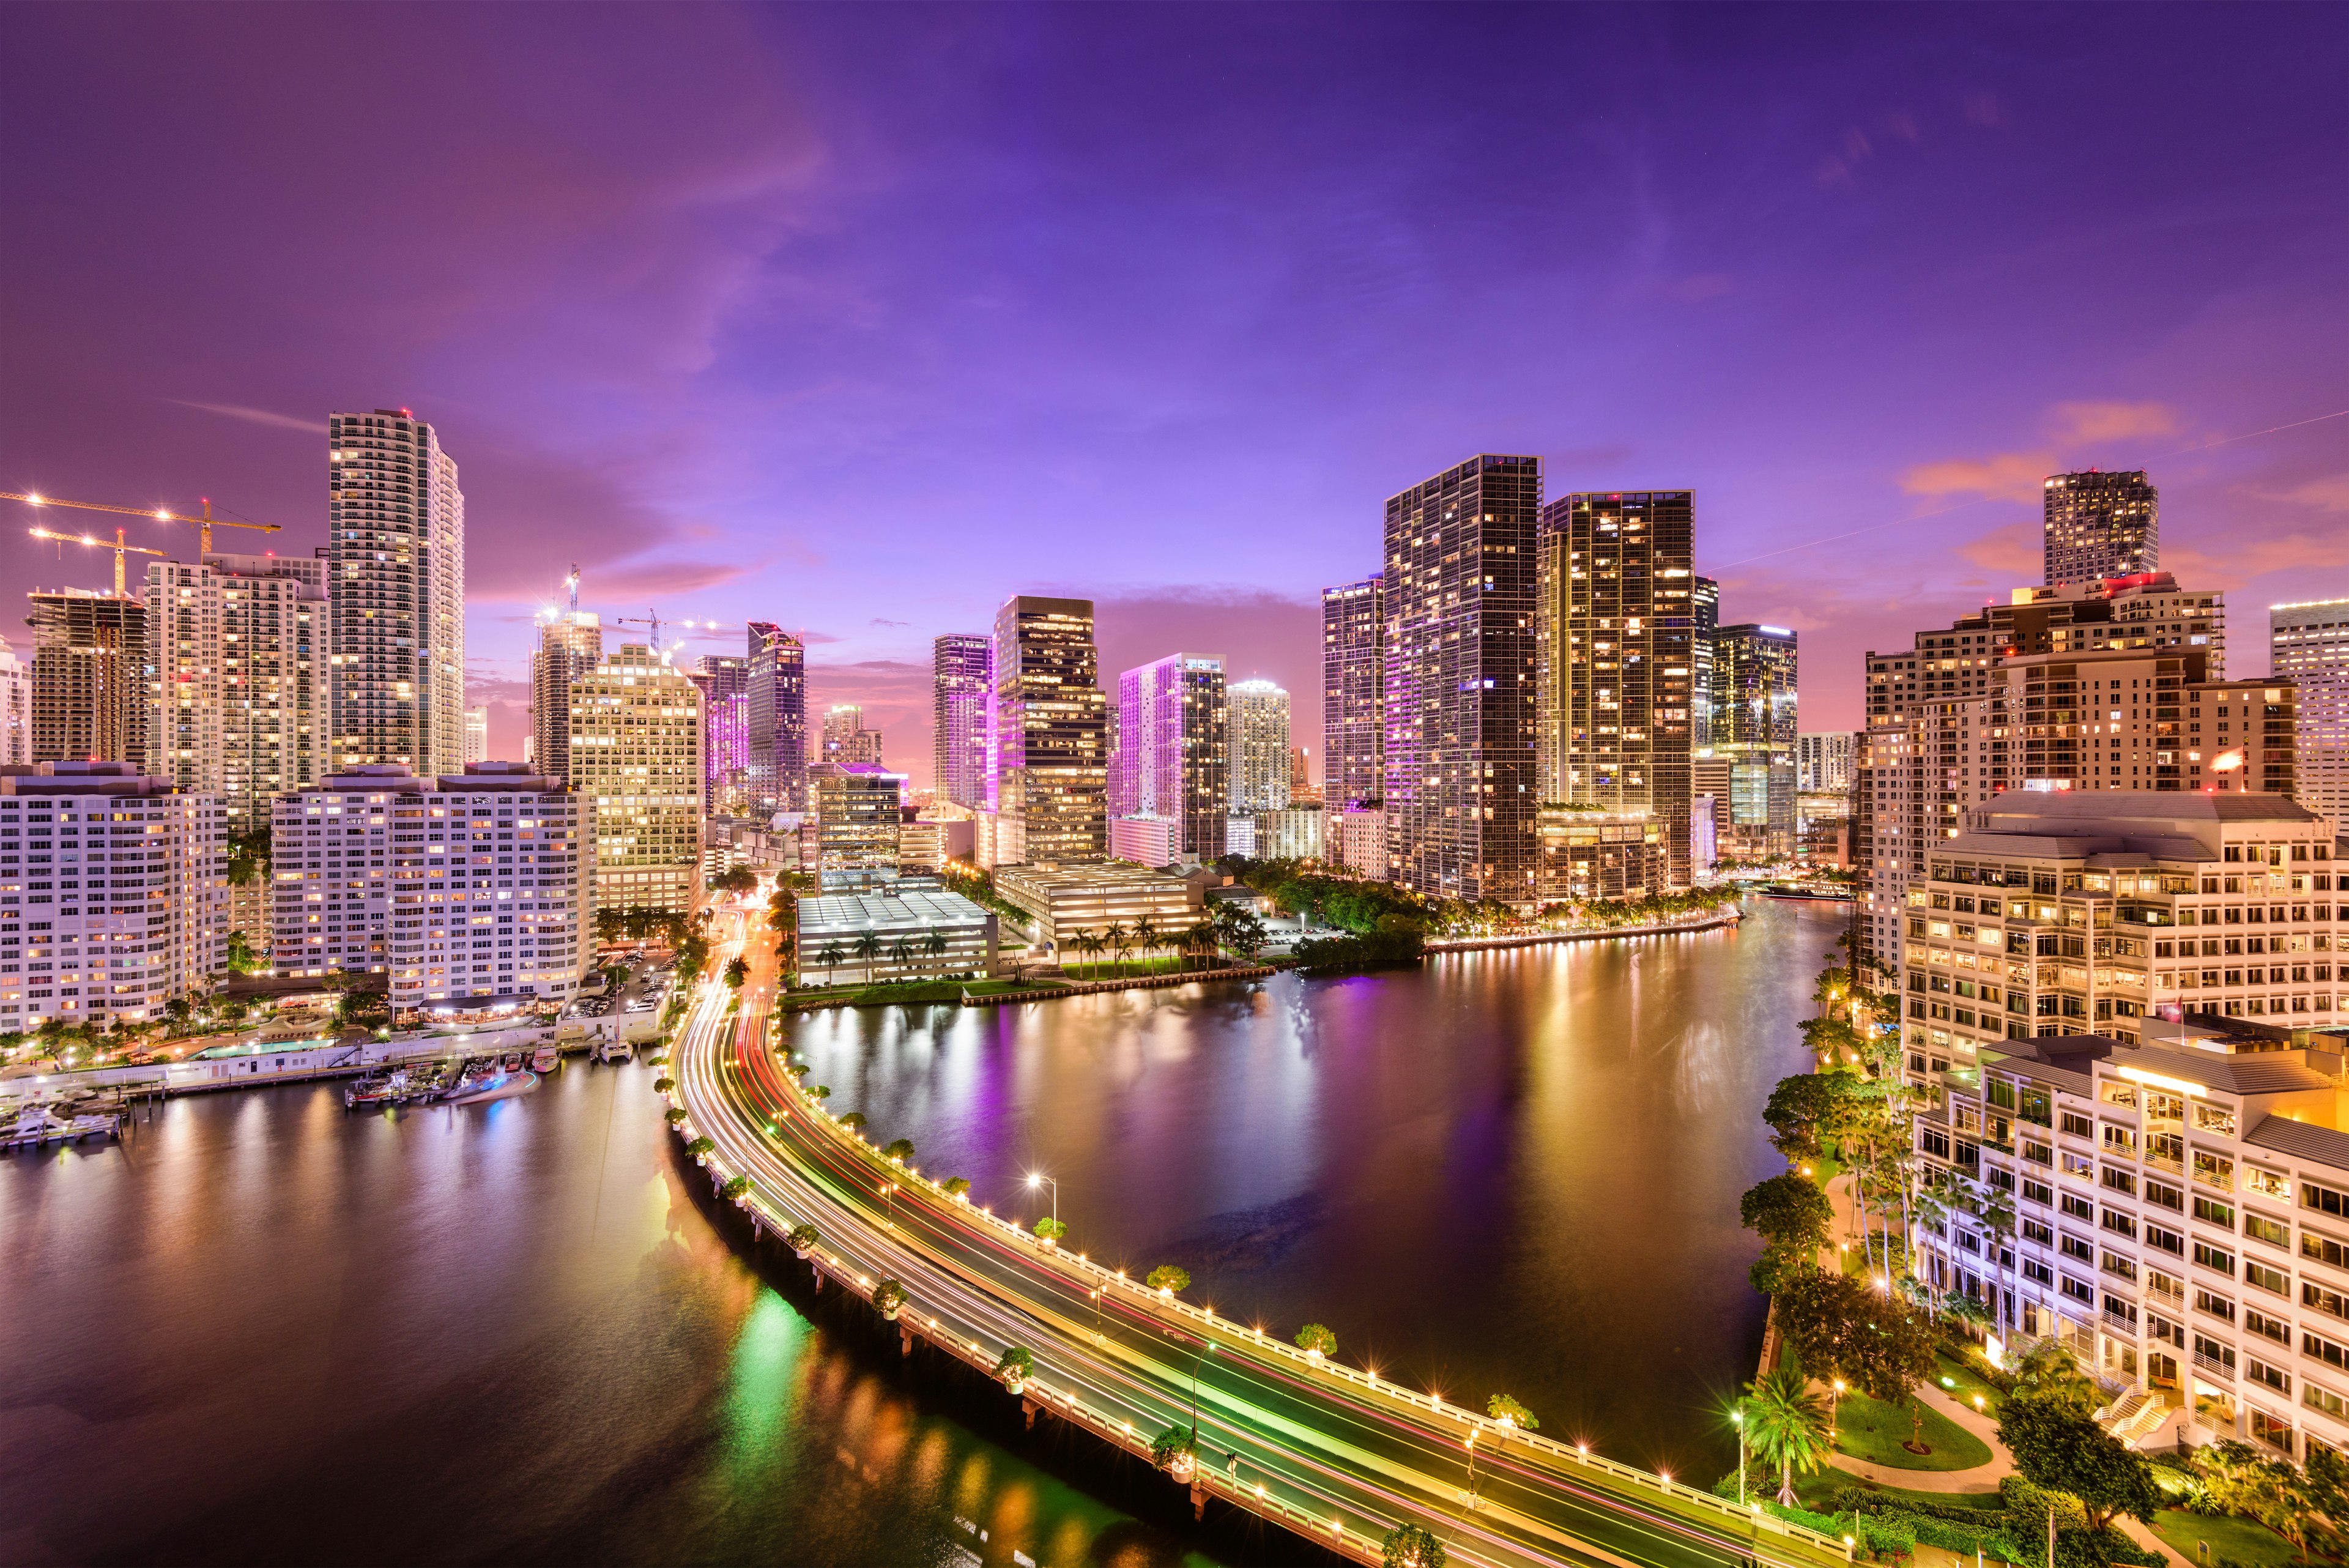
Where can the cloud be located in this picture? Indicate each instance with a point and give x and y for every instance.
(2009, 476)
(883, 620)
(2112, 422)
(1983, 108)
(256, 416)
(2328, 494)
(2014, 548)
(2239, 563)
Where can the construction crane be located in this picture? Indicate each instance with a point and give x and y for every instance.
(652, 618)
(207, 522)
(118, 547)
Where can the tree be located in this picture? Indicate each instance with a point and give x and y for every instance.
(1843, 1327)
(899, 1149)
(868, 948)
(242, 959)
(1798, 1108)
(1050, 1230)
(1017, 1364)
(1242, 929)
(1787, 1210)
(1411, 1546)
(887, 1297)
(802, 1238)
(610, 925)
(1117, 939)
(2048, 1369)
(1995, 1209)
(737, 971)
(1145, 936)
(2060, 1447)
(854, 1121)
(957, 1186)
(934, 945)
(1316, 1339)
(735, 880)
(700, 1146)
(1168, 1277)
(736, 1186)
(1172, 1446)
(1509, 1413)
(832, 956)
(248, 858)
(1787, 1425)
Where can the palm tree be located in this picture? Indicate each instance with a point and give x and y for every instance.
(1145, 934)
(900, 953)
(868, 948)
(832, 956)
(1786, 1425)
(1995, 1209)
(935, 946)
(1090, 943)
(1117, 939)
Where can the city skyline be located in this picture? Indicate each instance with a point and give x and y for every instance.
(2211, 395)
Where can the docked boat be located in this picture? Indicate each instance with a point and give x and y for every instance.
(544, 1058)
(612, 1051)
(498, 1085)
(1823, 892)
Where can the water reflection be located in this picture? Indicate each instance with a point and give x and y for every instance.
(1514, 1171)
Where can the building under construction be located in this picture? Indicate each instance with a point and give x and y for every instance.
(91, 691)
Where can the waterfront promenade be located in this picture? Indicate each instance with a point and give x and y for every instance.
(1329, 1451)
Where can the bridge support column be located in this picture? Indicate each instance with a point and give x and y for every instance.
(1198, 1501)
(1028, 1408)
(904, 1340)
(819, 1278)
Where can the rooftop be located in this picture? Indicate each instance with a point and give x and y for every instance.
(882, 910)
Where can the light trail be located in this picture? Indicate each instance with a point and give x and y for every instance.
(1320, 1440)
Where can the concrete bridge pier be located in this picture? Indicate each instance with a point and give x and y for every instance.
(1198, 1502)
(904, 1340)
(1028, 1408)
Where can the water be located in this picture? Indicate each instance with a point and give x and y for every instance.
(263, 1330)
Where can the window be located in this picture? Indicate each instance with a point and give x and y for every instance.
(2323, 1399)
(2037, 1272)
(2120, 1181)
(2168, 1240)
(2271, 1233)
(2210, 1257)
(2331, 1352)
(2325, 1249)
(2120, 1224)
(2275, 1377)
(2078, 1126)
(2326, 1199)
(2079, 1208)
(2168, 1196)
(2324, 1301)
(2267, 1327)
(2217, 1306)
(2073, 1247)
(2208, 1213)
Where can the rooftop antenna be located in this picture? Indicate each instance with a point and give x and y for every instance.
(572, 581)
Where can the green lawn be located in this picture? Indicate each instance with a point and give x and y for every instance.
(999, 987)
(1961, 1382)
(2240, 1539)
(1868, 1430)
(1815, 1491)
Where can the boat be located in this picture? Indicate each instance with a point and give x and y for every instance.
(499, 1085)
(612, 1051)
(544, 1059)
(1824, 892)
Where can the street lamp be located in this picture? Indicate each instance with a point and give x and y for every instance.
(1037, 1179)
(1737, 1419)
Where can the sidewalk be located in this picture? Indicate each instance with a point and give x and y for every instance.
(1982, 1478)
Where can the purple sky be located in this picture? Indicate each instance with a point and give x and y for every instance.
(859, 318)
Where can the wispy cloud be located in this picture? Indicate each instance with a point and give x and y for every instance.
(2015, 547)
(2113, 422)
(2009, 476)
(2327, 495)
(256, 416)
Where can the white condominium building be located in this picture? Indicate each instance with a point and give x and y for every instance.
(15, 708)
(395, 571)
(2309, 646)
(467, 888)
(113, 893)
(1256, 738)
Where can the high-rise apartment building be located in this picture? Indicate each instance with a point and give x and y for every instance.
(570, 644)
(477, 735)
(1050, 762)
(1947, 727)
(1704, 625)
(15, 710)
(960, 675)
(463, 889)
(1754, 727)
(1822, 761)
(779, 732)
(2101, 524)
(1353, 690)
(724, 681)
(2309, 646)
(395, 592)
(237, 648)
(1258, 733)
(1614, 665)
(1173, 759)
(91, 696)
(146, 923)
(859, 819)
(847, 742)
(635, 766)
(1460, 787)
(1302, 790)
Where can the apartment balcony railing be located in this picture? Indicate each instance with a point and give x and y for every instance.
(2154, 1296)
(2166, 1162)
(2214, 1366)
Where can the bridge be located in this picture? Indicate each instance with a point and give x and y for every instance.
(1333, 1453)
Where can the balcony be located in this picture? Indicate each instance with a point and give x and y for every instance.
(2214, 1366)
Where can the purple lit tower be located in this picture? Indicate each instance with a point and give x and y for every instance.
(1173, 762)
(725, 683)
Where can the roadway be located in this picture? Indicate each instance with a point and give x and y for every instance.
(1344, 1448)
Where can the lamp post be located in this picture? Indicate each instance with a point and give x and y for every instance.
(1037, 1179)
(889, 1201)
(1737, 1419)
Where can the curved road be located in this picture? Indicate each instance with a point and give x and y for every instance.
(1323, 1445)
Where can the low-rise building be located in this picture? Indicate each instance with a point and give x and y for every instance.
(930, 843)
(1239, 836)
(113, 892)
(465, 888)
(1292, 833)
(1145, 840)
(914, 932)
(1063, 900)
(858, 820)
(1590, 853)
(2181, 1219)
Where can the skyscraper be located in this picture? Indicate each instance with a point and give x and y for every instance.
(636, 762)
(1459, 600)
(2100, 525)
(779, 735)
(1258, 736)
(1354, 685)
(15, 710)
(725, 684)
(1172, 761)
(1754, 727)
(570, 644)
(1050, 765)
(477, 735)
(237, 648)
(847, 742)
(396, 586)
(959, 676)
(1614, 644)
(2309, 646)
(1704, 625)
(90, 692)
(1822, 761)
